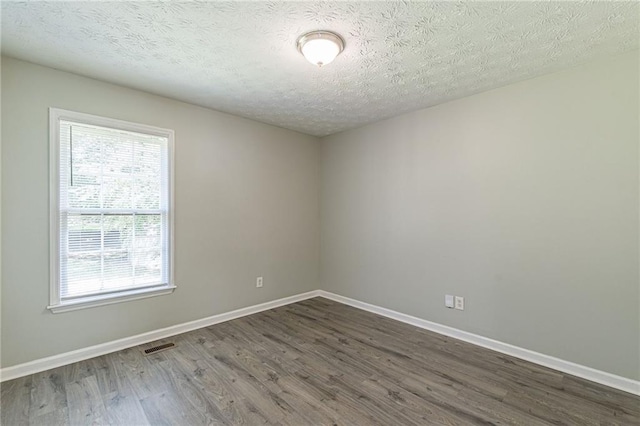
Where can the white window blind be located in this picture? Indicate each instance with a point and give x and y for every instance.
(113, 211)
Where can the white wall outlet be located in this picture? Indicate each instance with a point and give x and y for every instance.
(460, 303)
(448, 301)
(259, 282)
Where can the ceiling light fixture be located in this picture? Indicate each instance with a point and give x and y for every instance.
(320, 47)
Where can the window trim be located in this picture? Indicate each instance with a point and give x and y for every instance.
(55, 303)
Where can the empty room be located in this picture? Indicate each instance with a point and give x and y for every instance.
(320, 213)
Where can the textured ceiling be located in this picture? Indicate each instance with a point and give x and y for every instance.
(241, 58)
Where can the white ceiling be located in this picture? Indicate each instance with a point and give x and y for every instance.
(241, 58)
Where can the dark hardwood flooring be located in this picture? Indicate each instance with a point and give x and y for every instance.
(316, 362)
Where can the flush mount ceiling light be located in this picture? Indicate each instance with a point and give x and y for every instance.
(320, 47)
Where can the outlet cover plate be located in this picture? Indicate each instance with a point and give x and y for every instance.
(459, 303)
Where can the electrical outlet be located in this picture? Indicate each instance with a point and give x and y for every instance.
(259, 282)
(448, 301)
(459, 300)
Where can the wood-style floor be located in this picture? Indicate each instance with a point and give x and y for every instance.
(315, 362)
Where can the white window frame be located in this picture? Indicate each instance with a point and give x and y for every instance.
(56, 304)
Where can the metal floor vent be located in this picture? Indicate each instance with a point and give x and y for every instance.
(159, 348)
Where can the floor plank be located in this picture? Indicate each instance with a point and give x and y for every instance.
(85, 403)
(15, 401)
(47, 393)
(316, 362)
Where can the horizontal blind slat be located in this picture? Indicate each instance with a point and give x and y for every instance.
(92, 211)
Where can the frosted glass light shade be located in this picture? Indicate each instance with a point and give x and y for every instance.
(320, 47)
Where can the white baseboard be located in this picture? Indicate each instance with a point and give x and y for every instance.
(588, 373)
(47, 363)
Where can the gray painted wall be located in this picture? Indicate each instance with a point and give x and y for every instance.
(246, 205)
(524, 200)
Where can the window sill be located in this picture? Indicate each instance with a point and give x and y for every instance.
(101, 300)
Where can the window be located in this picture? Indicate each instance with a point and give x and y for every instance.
(111, 210)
